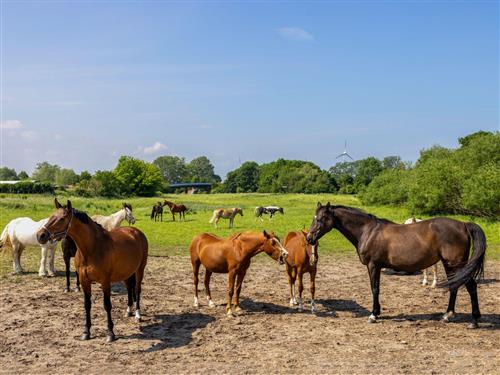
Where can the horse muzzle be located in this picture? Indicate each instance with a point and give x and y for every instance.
(312, 238)
(282, 257)
(43, 236)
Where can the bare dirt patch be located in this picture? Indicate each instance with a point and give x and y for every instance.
(40, 325)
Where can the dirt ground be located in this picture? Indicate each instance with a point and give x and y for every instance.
(40, 325)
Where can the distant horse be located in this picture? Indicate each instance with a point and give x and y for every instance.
(229, 213)
(269, 210)
(382, 243)
(176, 208)
(413, 220)
(230, 255)
(302, 258)
(103, 256)
(114, 220)
(21, 232)
(157, 211)
(107, 222)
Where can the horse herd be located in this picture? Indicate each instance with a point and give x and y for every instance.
(105, 252)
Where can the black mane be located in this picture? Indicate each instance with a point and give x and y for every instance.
(84, 218)
(360, 211)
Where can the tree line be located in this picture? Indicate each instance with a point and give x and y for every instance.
(465, 180)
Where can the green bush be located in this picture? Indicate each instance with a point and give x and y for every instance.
(481, 192)
(389, 187)
(27, 187)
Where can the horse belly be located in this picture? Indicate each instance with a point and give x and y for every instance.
(408, 259)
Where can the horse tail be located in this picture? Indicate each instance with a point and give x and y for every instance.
(4, 239)
(153, 212)
(474, 269)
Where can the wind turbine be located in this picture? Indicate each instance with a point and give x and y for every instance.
(345, 154)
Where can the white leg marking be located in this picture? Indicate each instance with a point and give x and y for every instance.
(372, 319)
(196, 303)
(301, 305)
(313, 306)
(424, 281)
(41, 270)
(129, 310)
(138, 315)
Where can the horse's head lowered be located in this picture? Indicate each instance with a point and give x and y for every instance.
(273, 247)
(58, 224)
(323, 222)
(128, 213)
(238, 210)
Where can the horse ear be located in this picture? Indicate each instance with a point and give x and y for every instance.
(56, 202)
(318, 205)
(266, 235)
(328, 204)
(68, 205)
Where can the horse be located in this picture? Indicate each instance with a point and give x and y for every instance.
(110, 222)
(103, 256)
(302, 258)
(229, 213)
(157, 211)
(382, 243)
(413, 220)
(230, 255)
(176, 208)
(114, 220)
(21, 232)
(269, 210)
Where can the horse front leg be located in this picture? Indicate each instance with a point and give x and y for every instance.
(374, 272)
(87, 293)
(312, 273)
(239, 284)
(106, 290)
(51, 260)
(230, 291)
(300, 274)
(42, 270)
(291, 282)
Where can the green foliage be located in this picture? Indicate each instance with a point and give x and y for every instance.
(389, 187)
(66, 177)
(138, 177)
(245, 179)
(172, 168)
(367, 169)
(481, 192)
(201, 169)
(27, 187)
(8, 174)
(45, 172)
(23, 175)
(85, 175)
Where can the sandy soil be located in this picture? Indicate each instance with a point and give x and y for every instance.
(40, 326)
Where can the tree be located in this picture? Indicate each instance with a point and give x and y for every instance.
(104, 183)
(366, 171)
(66, 177)
(244, 179)
(45, 172)
(343, 174)
(85, 175)
(23, 175)
(138, 177)
(393, 162)
(172, 168)
(389, 187)
(201, 170)
(465, 141)
(8, 174)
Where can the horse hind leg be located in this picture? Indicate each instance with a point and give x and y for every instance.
(68, 273)
(131, 297)
(300, 275)
(196, 269)
(450, 311)
(435, 274)
(471, 286)
(17, 250)
(138, 289)
(425, 280)
(208, 274)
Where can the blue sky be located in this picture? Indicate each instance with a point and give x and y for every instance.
(86, 82)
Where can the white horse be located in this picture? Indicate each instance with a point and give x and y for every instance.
(21, 232)
(413, 220)
(114, 220)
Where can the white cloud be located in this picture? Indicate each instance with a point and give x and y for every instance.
(295, 33)
(156, 147)
(11, 125)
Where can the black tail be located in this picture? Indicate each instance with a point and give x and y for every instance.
(474, 269)
(153, 212)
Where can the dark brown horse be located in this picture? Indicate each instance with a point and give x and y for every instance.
(382, 243)
(176, 208)
(302, 258)
(232, 256)
(157, 212)
(69, 249)
(103, 256)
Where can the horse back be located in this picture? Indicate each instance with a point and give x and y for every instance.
(212, 251)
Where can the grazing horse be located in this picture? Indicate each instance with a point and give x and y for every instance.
(157, 211)
(269, 210)
(382, 243)
(107, 222)
(229, 213)
(103, 256)
(231, 256)
(176, 208)
(413, 220)
(21, 232)
(302, 258)
(115, 220)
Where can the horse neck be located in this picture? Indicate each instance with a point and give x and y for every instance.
(250, 245)
(117, 218)
(169, 204)
(84, 235)
(351, 224)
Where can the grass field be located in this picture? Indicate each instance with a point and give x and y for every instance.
(173, 238)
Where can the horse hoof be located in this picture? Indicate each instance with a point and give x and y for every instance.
(67, 290)
(77, 289)
(211, 303)
(42, 274)
(110, 337)
(237, 310)
(51, 275)
(472, 325)
(85, 336)
(138, 319)
(372, 319)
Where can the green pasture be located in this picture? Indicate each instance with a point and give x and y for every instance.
(173, 238)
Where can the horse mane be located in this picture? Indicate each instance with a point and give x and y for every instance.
(84, 218)
(364, 213)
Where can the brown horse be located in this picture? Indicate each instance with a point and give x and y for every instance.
(382, 243)
(228, 213)
(231, 256)
(176, 208)
(157, 212)
(302, 258)
(104, 257)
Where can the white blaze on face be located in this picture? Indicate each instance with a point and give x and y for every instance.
(284, 252)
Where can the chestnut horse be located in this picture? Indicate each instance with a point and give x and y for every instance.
(382, 243)
(176, 208)
(103, 256)
(228, 213)
(231, 256)
(302, 258)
